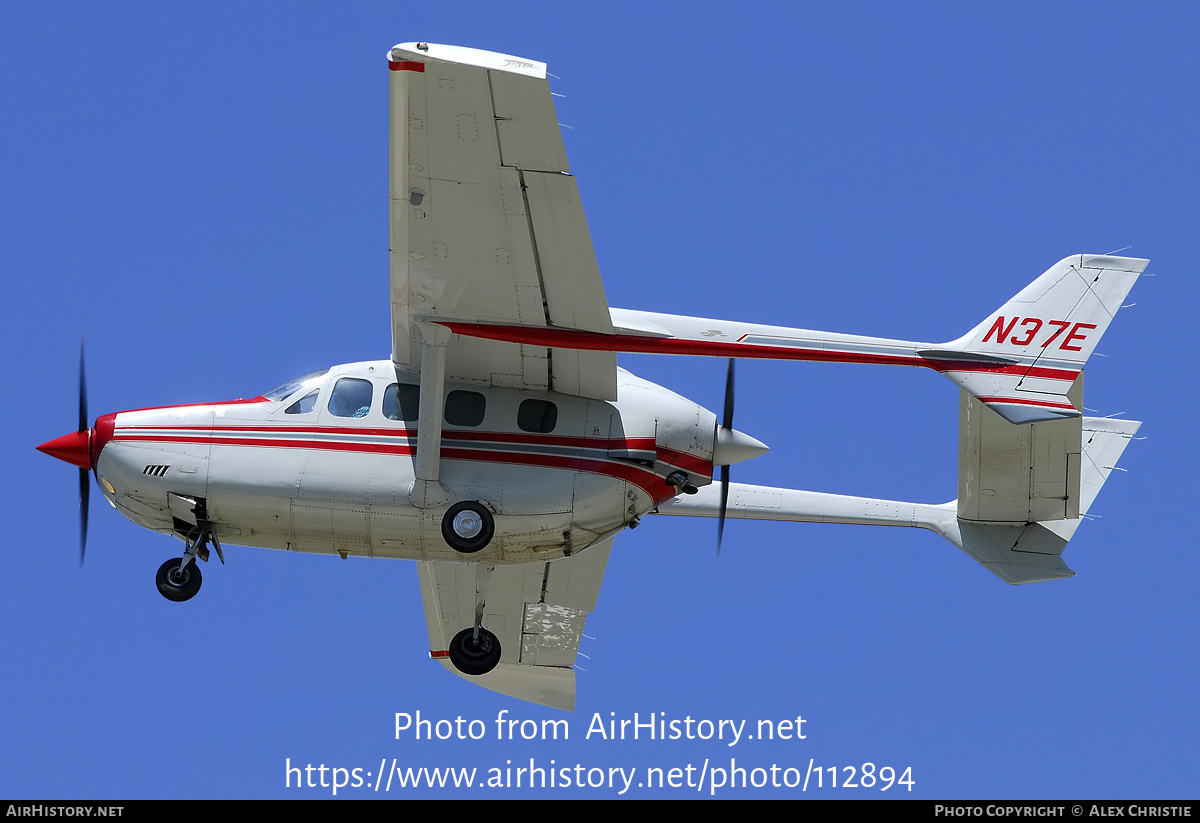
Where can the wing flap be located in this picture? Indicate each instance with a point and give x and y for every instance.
(537, 610)
(571, 284)
(485, 221)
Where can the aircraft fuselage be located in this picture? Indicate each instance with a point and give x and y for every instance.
(328, 468)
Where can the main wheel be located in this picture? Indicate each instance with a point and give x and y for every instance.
(468, 527)
(475, 657)
(178, 584)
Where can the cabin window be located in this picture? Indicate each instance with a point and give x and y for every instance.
(305, 404)
(402, 401)
(537, 416)
(465, 408)
(351, 398)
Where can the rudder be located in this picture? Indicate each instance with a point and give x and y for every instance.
(1023, 359)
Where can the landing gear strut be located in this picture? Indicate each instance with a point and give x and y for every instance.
(475, 650)
(179, 580)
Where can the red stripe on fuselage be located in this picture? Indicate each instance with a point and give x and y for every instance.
(643, 478)
(690, 462)
(630, 443)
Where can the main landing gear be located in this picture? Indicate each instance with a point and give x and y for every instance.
(179, 580)
(468, 527)
(475, 651)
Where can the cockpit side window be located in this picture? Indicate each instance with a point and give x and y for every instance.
(292, 386)
(351, 398)
(402, 401)
(305, 404)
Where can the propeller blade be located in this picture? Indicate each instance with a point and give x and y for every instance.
(724, 505)
(728, 422)
(83, 414)
(84, 492)
(84, 487)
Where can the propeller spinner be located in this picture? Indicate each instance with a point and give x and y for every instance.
(76, 449)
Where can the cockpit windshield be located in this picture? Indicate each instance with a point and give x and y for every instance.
(292, 386)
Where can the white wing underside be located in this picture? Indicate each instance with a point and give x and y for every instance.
(537, 610)
(486, 223)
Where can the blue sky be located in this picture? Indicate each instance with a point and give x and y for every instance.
(203, 194)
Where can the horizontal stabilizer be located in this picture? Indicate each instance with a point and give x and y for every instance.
(1104, 441)
(1026, 553)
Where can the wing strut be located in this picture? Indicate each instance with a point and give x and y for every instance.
(426, 491)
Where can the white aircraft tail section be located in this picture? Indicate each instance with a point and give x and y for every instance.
(1029, 552)
(1017, 550)
(1023, 359)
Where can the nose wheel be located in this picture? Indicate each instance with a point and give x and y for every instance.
(178, 584)
(179, 580)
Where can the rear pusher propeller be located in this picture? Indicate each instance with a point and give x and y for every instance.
(727, 428)
(730, 446)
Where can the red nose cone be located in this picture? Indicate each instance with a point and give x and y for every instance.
(75, 448)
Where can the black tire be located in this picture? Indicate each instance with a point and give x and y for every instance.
(475, 515)
(177, 585)
(475, 658)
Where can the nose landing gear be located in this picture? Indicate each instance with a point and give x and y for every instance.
(176, 583)
(179, 580)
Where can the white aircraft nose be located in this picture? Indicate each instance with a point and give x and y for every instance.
(732, 446)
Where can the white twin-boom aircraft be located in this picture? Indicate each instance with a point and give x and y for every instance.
(503, 449)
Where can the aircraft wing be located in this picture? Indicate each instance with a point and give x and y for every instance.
(537, 610)
(486, 224)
